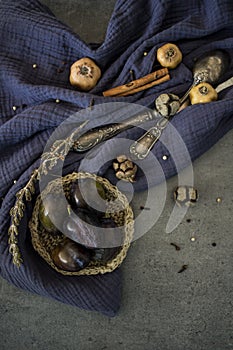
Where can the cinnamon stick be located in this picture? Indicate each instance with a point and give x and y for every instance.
(146, 86)
(119, 90)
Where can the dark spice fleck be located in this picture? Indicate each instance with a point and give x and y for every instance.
(214, 244)
(144, 208)
(60, 70)
(183, 268)
(92, 102)
(132, 75)
(175, 245)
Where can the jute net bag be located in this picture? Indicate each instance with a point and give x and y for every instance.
(119, 210)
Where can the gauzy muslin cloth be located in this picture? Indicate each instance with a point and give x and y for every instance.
(30, 34)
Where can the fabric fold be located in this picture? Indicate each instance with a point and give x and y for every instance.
(36, 97)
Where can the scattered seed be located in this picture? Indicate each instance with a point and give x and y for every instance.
(92, 102)
(183, 268)
(175, 245)
(144, 208)
(60, 70)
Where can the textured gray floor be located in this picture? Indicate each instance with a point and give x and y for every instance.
(161, 309)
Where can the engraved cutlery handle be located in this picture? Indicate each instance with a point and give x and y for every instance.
(102, 133)
(141, 148)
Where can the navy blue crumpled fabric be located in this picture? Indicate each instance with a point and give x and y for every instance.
(30, 34)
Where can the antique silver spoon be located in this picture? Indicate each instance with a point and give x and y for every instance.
(100, 134)
(209, 68)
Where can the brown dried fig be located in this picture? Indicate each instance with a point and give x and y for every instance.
(84, 74)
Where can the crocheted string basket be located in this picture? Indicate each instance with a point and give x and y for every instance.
(120, 211)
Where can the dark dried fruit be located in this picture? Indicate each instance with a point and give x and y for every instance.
(104, 255)
(82, 228)
(53, 210)
(89, 194)
(45, 219)
(92, 231)
(70, 256)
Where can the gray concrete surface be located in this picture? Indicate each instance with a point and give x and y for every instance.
(161, 309)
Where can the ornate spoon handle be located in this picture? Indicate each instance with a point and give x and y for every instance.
(144, 144)
(97, 135)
